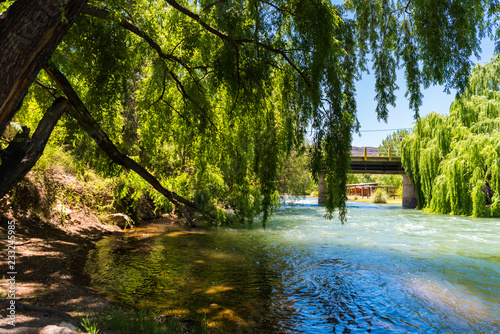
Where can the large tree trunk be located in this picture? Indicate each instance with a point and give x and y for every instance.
(30, 31)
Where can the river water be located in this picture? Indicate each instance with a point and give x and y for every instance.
(387, 270)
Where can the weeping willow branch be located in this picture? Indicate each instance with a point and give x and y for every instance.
(100, 13)
(228, 39)
(277, 8)
(212, 4)
(104, 14)
(133, 28)
(87, 122)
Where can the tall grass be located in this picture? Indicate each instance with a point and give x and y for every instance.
(380, 196)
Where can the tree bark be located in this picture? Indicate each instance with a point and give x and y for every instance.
(87, 122)
(23, 152)
(30, 31)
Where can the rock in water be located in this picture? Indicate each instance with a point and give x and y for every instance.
(120, 219)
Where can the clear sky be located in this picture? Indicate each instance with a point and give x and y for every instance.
(435, 99)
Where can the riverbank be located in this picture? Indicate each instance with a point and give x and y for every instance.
(391, 201)
(56, 220)
(49, 262)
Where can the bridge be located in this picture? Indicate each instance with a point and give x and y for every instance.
(365, 164)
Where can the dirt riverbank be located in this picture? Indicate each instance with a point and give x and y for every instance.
(53, 236)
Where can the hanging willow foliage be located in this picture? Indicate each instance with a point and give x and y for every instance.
(210, 96)
(453, 161)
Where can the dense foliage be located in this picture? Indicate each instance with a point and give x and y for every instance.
(454, 160)
(212, 97)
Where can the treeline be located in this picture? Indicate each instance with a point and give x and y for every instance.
(201, 103)
(454, 160)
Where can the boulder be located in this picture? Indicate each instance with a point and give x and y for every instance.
(120, 220)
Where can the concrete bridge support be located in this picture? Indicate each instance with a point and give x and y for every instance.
(409, 195)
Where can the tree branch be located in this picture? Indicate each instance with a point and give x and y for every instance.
(228, 39)
(277, 8)
(104, 14)
(51, 90)
(100, 13)
(212, 4)
(87, 122)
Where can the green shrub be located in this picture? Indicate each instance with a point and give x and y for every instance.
(380, 196)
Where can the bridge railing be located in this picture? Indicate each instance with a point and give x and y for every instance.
(390, 154)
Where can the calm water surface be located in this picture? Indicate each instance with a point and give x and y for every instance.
(387, 270)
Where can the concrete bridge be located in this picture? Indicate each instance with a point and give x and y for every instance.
(365, 164)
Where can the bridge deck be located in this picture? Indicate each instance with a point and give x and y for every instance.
(376, 165)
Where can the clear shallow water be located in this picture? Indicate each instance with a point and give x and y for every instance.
(387, 270)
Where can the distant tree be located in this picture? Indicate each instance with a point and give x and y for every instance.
(390, 180)
(294, 176)
(393, 142)
(353, 178)
(360, 178)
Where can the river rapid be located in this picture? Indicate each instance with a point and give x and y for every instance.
(386, 270)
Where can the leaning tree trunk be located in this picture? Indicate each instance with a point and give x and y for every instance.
(30, 31)
(80, 112)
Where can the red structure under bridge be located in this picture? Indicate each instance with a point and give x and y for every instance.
(368, 189)
(365, 164)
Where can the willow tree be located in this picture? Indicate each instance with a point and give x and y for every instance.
(455, 160)
(219, 91)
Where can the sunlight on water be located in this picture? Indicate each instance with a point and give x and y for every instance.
(386, 270)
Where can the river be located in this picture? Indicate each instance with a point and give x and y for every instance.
(387, 270)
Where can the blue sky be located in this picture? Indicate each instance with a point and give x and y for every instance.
(435, 99)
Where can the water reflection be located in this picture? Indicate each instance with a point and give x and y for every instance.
(386, 270)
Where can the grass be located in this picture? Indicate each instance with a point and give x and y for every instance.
(392, 201)
(90, 326)
(118, 320)
(380, 197)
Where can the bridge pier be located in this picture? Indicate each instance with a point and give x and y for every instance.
(409, 195)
